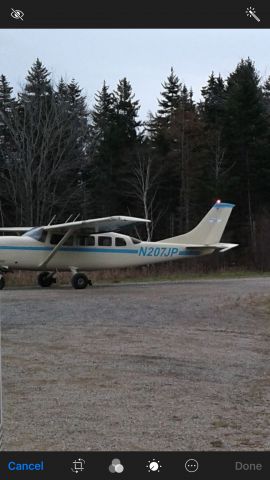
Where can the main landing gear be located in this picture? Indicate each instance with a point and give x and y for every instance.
(2, 282)
(46, 279)
(80, 281)
(2, 278)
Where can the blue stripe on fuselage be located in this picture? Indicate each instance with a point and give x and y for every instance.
(71, 249)
(184, 252)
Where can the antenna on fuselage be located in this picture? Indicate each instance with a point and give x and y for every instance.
(77, 216)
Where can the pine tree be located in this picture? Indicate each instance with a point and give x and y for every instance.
(214, 100)
(38, 82)
(6, 99)
(170, 96)
(169, 105)
(102, 112)
(126, 109)
(245, 130)
(61, 93)
(266, 94)
(101, 153)
(7, 147)
(212, 112)
(73, 109)
(7, 103)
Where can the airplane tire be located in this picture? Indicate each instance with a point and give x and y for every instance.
(45, 280)
(2, 283)
(79, 281)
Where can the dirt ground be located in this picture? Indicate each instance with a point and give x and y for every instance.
(165, 366)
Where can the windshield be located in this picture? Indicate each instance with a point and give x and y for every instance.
(36, 233)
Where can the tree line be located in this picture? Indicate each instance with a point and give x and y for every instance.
(59, 156)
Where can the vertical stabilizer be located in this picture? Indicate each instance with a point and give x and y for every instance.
(210, 228)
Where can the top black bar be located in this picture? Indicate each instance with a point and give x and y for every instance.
(137, 14)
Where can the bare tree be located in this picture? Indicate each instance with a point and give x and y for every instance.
(144, 184)
(41, 172)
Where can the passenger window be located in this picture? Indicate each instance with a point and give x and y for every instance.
(120, 242)
(69, 241)
(105, 241)
(90, 241)
(86, 241)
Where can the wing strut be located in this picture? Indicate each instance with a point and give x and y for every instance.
(56, 248)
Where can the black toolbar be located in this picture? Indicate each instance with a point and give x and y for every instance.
(134, 465)
(139, 14)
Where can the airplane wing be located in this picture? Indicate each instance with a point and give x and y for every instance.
(97, 225)
(15, 229)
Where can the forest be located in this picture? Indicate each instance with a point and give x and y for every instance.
(59, 156)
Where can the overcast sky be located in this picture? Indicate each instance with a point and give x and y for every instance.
(143, 56)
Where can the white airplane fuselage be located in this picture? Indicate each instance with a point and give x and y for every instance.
(26, 253)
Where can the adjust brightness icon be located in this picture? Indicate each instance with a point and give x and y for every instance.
(153, 465)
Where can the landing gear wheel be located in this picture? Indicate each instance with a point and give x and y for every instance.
(45, 279)
(79, 281)
(2, 283)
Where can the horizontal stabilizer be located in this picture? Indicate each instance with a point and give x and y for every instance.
(222, 247)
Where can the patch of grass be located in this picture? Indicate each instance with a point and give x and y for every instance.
(220, 424)
(137, 274)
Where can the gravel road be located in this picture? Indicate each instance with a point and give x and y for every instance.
(158, 366)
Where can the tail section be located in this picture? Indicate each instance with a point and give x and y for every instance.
(209, 231)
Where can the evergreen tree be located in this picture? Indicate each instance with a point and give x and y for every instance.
(245, 130)
(102, 113)
(7, 103)
(114, 136)
(6, 98)
(126, 110)
(38, 82)
(170, 96)
(169, 103)
(72, 105)
(7, 147)
(212, 112)
(101, 153)
(214, 101)
(266, 95)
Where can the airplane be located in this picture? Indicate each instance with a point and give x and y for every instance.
(95, 244)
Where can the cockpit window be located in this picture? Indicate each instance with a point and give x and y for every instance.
(56, 238)
(135, 240)
(36, 233)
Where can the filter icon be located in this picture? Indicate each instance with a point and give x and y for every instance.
(116, 466)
